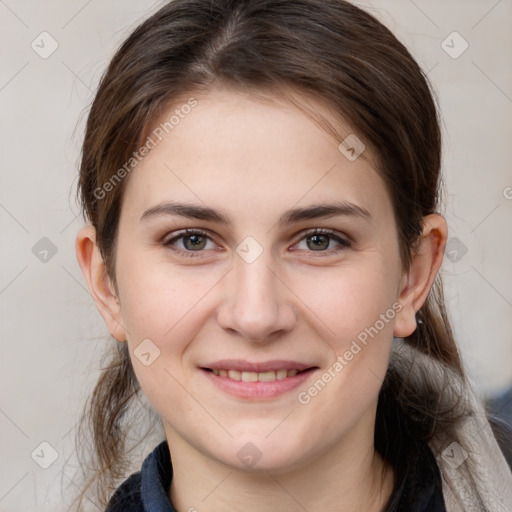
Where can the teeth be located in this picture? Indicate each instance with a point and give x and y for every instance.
(281, 374)
(235, 375)
(266, 376)
(254, 376)
(250, 376)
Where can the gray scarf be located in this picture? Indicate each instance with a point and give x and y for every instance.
(475, 474)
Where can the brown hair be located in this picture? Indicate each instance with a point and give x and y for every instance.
(328, 49)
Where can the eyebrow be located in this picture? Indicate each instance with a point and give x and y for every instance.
(291, 216)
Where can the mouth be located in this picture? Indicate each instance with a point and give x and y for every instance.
(257, 380)
(269, 376)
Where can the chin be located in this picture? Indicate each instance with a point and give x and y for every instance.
(264, 455)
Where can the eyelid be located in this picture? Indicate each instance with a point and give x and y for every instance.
(175, 235)
(343, 240)
(168, 240)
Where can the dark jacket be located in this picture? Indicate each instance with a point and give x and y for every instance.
(147, 490)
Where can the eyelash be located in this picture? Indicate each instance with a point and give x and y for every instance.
(344, 243)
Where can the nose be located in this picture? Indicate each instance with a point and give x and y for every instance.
(257, 304)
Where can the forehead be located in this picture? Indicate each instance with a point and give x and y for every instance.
(247, 152)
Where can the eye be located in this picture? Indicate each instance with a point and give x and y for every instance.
(190, 241)
(321, 240)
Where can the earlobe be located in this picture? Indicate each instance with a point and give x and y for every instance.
(100, 286)
(418, 280)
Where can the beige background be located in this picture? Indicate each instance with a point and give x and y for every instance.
(51, 334)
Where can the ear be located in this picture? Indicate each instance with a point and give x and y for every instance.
(416, 283)
(100, 285)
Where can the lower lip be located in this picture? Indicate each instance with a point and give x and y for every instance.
(258, 389)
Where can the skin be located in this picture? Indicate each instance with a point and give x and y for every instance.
(253, 160)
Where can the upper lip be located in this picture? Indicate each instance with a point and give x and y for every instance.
(264, 366)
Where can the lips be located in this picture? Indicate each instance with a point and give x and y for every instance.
(267, 373)
(256, 376)
(265, 366)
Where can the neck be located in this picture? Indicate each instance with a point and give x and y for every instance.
(349, 477)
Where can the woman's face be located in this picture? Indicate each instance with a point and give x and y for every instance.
(256, 294)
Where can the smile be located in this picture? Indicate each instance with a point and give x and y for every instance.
(255, 376)
(257, 380)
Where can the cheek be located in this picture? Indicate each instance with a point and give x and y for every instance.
(158, 299)
(164, 309)
(163, 312)
(359, 310)
(348, 302)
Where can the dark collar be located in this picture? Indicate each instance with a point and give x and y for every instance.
(416, 490)
(156, 480)
(146, 490)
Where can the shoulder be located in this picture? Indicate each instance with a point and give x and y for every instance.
(127, 497)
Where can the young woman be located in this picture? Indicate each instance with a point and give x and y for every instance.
(261, 181)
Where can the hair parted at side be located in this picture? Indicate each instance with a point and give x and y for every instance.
(327, 49)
